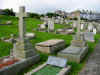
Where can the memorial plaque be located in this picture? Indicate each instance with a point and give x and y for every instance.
(56, 61)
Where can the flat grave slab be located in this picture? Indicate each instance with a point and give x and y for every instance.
(73, 53)
(50, 46)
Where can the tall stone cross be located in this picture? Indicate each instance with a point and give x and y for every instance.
(21, 25)
(78, 26)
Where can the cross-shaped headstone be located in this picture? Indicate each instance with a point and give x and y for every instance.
(21, 26)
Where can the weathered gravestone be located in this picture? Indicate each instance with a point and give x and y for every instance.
(78, 48)
(30, 35)
(50, 25)
(82, 26)
(94, 30)
(50, 46)
(42, 27)
(61, 20)
(98, 28)
(90, 27)
(89, 36)
(56, 21)
(24, 48)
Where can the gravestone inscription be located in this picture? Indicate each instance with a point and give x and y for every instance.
(57, 61)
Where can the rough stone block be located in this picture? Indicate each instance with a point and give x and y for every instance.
(50, 46)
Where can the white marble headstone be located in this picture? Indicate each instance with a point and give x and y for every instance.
(82, 26)
(50, 25)
(90, 27)
(94, 30)
(42, 26)
(57, 61)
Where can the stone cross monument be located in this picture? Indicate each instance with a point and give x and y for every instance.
(23, 48)
(78, 26)
(21, 26)
(79, 38)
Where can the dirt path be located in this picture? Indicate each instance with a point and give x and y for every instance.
(93, 64)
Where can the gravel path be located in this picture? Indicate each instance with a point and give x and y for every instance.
(93, 64)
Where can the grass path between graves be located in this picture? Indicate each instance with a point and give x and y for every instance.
(31, 23)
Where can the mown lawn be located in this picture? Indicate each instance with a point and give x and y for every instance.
(32, 23)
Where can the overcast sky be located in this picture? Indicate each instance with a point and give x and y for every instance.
(43, 6)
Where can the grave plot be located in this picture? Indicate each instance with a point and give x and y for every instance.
(78, 48)
(54, 66)
(50, 46)
(48, 70)
(22, 51)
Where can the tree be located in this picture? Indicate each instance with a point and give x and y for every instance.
(34, 15)
(9, 12)
(51, 14)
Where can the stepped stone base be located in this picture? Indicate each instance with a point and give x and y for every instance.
(73, 53)
(23, 50)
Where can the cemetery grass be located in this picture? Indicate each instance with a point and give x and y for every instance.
(31, 23)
